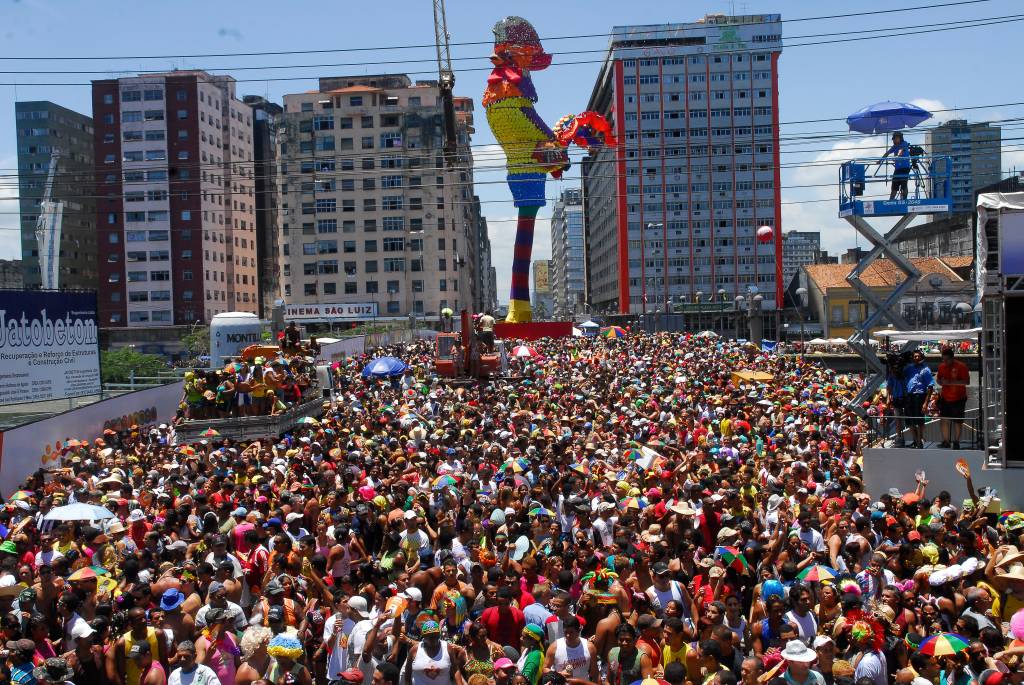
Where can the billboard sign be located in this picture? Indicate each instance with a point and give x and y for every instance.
(49, 346)
(340, 311)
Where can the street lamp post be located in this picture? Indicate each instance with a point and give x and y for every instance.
(643, 264)
(700, 308)
(801, 293)
(720, 324)
(739, 300)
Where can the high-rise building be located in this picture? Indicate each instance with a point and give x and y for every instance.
(799, 248)
(176, 229)
(264, 135)
(975, 152)
(483, 297)
(673, 210)
(568, 260)
(542, 300)
(372, 214)
(47, 134)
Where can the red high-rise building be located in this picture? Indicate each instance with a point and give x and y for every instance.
(175, 214)
(672, 212)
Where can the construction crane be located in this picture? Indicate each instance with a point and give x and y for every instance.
(445, 83)
(48, 229)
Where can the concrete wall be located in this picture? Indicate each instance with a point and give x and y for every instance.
(895, 468)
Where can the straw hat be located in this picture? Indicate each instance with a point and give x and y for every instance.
(1016, 572)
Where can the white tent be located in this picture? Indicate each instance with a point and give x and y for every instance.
(924, 336)
(818, 341)
(837, 341)
(590, 324)
(707, 334)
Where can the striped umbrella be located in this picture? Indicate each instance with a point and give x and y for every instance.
(613, 332)
(732, 557)
(943, 644)
(818, 573)
(541, 511)
(445, 481)
(581, 468)
(632, 503)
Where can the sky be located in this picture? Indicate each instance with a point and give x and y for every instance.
(940, 71)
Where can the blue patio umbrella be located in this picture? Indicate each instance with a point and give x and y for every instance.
(882, 117)
(384, 367)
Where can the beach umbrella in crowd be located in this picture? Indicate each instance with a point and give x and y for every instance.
(732, 557)
(309, 420)
(943, 644)
(525, 352)
(518, 465)
(445, 481)
(21, 495)
(384, 367)
(632, 503)
(581, 468)
(541, 511)
(79, 511)
(209, 433)
(883, 117)
(817, 573)
(614, 332)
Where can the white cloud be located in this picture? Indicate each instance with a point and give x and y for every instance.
(940, 110)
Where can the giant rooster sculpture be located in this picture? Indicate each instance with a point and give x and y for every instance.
(532, 150)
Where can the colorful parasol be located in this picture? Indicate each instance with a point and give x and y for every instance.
(581, 468)
(21, 495)
(633, 454)
(943, 644)
(817, 573)
(309, 420)
(209, 433)
(187, 450)
(99, 570)
(525, 352)
(85, 573)
(613, 332)
(518, 465)
(732, 557)
(233, 367)
(541, 511)
(445, 481)
(632, 503)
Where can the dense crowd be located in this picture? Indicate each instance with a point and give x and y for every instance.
(616, 511)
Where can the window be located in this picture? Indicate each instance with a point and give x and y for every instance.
(186, 215)
(158, 235)
(154, 115)
(181, 95)
(135, 256)
(323, 122)
(370, 266)
(345, 122)
(369, 204)
(183, 114)
(138, 317)
(391, 202)
(351, 288)
(327, 226)
(348, 246)
(109, 159)
(159, 215)
(160, 275)
(355, 101)
(159, 255)
(155, 135)
(366, 121)
(390, 181)
(108, 98)
(394, 223)
(309, 289)
(366, 143)
(152, 94)
(186, 254)
(160, 175)
(326, 205)
(137, 276)
(108, 119)
(183, 154)
(132, 155)
(394, 265)
(327, 247)
(330, 288)
(131, 95)
(325, 143)
(369, 246)
(156, 155)
(140, 296)
(394, 244)
(327, 266)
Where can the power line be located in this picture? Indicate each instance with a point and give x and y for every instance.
(897, 34)
(483, 42)
(226, 70)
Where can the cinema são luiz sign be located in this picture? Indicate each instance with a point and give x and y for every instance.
(340, 311)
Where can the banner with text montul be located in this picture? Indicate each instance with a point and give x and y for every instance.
(49, 345)
(340, 311)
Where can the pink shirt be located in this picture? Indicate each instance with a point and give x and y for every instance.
(220, 656)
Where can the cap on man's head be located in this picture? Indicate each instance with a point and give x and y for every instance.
(647, 621)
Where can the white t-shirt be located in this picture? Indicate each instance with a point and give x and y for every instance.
(202, 675)
(356, 646)
(338, 659)
(813, 539)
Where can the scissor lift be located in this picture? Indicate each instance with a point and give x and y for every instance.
(864, 186)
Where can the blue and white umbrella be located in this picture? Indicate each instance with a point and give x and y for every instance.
(882, 117)
(384, 367)
(79, 511)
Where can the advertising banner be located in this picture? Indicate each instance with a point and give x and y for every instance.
(341, 311)
(37, 445)
(49, 346)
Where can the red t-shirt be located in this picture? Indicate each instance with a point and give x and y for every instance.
(956, 371)
(504, 627)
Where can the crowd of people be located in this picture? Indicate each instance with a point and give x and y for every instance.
(615, 511)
